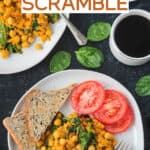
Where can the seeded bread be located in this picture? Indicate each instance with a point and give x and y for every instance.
(17, 128)
(41, 108)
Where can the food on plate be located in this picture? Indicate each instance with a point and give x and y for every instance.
(19, 30)
(17, 128)
(60, 61)
(114, 107)
(122, 125)
(110, 107)
(98, 31)
(87, 97)
(100, 113)
(76, 132)
(41, 108)
(28, 125)
(90, 57)
(143, 86)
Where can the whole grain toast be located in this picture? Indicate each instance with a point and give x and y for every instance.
(17, 128)
(41, 108)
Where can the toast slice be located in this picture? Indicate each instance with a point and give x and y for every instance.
(41, 107)
(17, 128)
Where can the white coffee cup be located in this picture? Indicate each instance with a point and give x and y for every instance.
(118, 54)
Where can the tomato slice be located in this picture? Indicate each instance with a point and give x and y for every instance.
(87, 97)
(121, 125)
(113, 109)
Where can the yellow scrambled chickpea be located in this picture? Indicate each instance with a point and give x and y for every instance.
(22, 29)
(4, 54)
(69, 133)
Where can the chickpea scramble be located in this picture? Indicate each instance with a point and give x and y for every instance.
(19, 30)
(76, 133)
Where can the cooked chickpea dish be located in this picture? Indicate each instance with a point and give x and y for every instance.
(76, 132)
(19, 30)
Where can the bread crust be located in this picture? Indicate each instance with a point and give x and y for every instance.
(27, 110)
(5, 123)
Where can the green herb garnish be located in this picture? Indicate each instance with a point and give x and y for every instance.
(3, 34)
(60, 61)
(90, 57)
(143, 86)
(98, 31)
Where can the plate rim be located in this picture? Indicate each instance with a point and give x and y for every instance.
(74, 70)
(29, 67)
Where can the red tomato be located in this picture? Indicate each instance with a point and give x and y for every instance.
(87, 97)
(121, 125)
(113, 108)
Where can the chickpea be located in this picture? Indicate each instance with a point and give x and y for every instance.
(4, 54)
(62, 141)
(12, 33)
(108, 136)
(50, 142)
(43, 148)
(30, 39)
(78, 147)
(38, 46)
(57, 122)
(16, 39)
(10, 21)
(25, 44)
(24, 37)
(39, 144)
(91, 147)
(74, 138)
(7, 2)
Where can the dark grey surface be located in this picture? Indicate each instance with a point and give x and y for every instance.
(12, 87)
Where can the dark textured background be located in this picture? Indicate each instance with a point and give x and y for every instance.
(12, 87)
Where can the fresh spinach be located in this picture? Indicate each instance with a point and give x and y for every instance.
(14, 49)
(85, 139)
(90, 57)
(60, 61)
(98, 31)
(143, 86)
(53, 17)
(3, 34)
(35, 23)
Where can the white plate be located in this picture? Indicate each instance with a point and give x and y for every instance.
(30, 57)
(134, 136)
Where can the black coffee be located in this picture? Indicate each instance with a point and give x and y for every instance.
(132, 36)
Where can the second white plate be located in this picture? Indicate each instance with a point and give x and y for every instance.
(30, 57)
(133, 136)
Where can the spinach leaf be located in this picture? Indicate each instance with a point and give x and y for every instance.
(60, 61)
(85, 139)
(53, 17)
(35, 23)
(3, 34)
(143, 86)
(90, 57)
(14, 49)
(98, 31)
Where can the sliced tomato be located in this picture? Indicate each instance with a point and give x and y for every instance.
(121, 125)
(87, 97)
(113, 109)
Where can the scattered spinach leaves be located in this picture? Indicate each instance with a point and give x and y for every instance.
(98, 31)
(60, 61)
(90, 57)
(143, 86)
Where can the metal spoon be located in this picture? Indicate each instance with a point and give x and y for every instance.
(80, 38)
